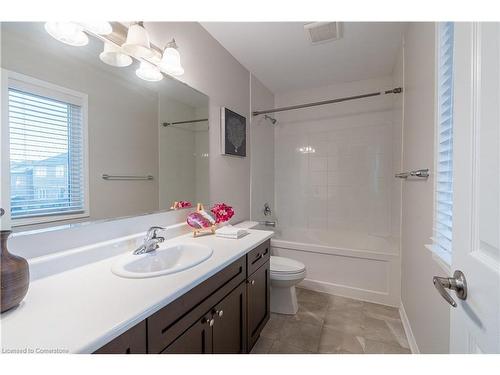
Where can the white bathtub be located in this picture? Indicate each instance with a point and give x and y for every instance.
(351, 264)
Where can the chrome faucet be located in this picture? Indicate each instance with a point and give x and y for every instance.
(151, 241)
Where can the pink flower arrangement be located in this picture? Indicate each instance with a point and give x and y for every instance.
(184, 204)
(222, 212)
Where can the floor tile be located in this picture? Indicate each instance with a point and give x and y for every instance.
(281, 347)
(398, 331)
(338, 302)
(350, 322)
(333, 341)
(380, 311)
(310, 312)
(306, 295)
(273, 327)
(378, 330)
(262, 346)
(375, 347)
(302, 335)
(334, 324)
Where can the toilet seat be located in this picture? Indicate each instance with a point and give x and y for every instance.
(286, 268)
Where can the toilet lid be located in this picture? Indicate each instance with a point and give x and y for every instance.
(286, 265)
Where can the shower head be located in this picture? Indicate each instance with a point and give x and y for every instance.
(273, 120)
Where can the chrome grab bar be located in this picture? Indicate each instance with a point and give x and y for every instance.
(124, 178)
(422, 173)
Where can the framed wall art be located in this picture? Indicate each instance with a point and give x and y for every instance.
(233, 133)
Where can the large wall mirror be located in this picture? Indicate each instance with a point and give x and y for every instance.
(89, 141)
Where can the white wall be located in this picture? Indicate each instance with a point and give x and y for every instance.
(346, 187)
(262, 145)
(213, 71)
(427, 313)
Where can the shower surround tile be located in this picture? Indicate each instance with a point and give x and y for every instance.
(355, 150)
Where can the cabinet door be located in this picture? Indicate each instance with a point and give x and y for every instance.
(132, 341)
(258, 300)
(230, 326)
(196, 340)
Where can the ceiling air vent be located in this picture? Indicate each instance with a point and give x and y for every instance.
(322, 32)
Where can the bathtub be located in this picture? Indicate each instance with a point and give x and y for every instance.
(347, 263)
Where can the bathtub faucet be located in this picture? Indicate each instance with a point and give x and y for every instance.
(268, 223)
(267, 209)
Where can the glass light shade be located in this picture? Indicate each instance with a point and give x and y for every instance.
(114, 56)
(97, 27)
(171, 62)
(149, 72)
(68, 33)
(137, 43)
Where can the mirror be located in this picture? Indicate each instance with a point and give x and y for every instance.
(90, 141)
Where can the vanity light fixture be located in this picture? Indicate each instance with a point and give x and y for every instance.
(137, 43)
(114, 56)
(171, 60)
(69, 33)
(97, 27)
(149, 72)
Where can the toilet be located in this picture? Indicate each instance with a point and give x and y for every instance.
(285, 274)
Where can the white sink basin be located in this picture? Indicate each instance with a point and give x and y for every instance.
(169, 258)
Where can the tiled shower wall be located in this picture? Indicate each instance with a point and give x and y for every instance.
(335, 164)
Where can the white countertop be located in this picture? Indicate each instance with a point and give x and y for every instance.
(82, 309)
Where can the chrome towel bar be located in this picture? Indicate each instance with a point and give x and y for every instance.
(422, 173)
(126, 178)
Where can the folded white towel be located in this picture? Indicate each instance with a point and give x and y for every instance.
(228, 231)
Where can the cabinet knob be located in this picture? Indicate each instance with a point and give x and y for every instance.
(218, 313)
(252, 282)
(210, 322)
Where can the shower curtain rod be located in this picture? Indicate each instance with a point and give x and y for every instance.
(184, 122)
(396, 90)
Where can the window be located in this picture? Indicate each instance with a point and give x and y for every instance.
(60, 171)
(47, 151)
(443, 205)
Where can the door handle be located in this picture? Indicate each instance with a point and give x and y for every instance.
(456, 283)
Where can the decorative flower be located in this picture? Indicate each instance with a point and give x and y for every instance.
(222, 212)
(184, 204)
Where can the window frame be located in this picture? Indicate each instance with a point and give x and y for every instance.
(40, 87)
(443, 259)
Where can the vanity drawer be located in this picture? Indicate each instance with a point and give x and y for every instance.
(174, 319)
(258, 256)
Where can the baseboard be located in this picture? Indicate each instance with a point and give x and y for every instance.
(407, 327)
(349, 292)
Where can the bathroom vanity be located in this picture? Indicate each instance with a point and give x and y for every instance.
(76, 303)
(224, 314)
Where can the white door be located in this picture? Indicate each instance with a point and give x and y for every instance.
(475, 322)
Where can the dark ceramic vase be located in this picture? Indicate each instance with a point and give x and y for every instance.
(14, 274)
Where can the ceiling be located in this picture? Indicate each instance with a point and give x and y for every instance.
(281, 56)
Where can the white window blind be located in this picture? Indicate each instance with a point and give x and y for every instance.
(443, 219)
(46, 155)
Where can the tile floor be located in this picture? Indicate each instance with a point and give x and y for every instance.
(333, 324)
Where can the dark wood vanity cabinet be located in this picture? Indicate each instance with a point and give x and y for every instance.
(132, 341)
(220, 331)
(258, 302)
(223, 315)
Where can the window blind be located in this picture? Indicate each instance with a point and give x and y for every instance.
(443, 219)
(46, 155)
